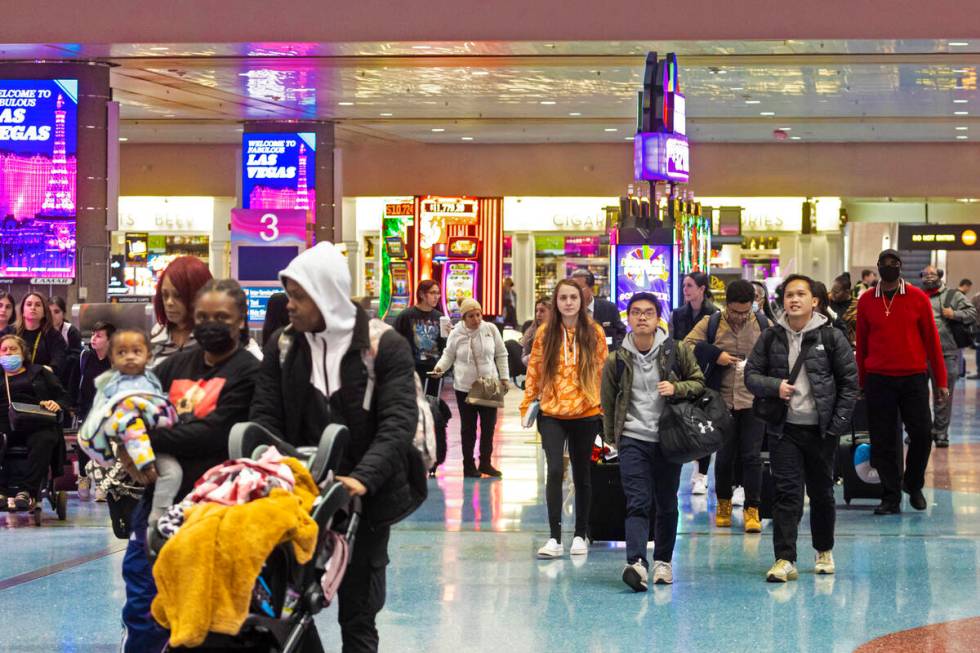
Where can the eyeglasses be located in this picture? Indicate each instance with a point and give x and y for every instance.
(650, 313)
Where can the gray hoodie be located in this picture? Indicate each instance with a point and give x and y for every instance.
(802, 406)
(646, 404)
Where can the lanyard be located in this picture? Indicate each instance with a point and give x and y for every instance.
(36, 341)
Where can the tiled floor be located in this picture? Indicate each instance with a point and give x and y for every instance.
(463, 575)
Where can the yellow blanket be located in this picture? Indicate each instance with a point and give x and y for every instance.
(206, 572)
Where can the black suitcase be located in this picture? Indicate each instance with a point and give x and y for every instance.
(607, 519)
(854, 487)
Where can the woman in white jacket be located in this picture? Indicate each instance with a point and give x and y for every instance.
(476, 350)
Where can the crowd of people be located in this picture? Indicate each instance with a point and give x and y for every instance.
(790, 373)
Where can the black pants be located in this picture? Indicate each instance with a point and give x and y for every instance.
(468, 415)
(429, 385)
(802, 456)
(888, 398)
(580, 435)
(362, 593)
(33, 472)
(746, 446)
(650, 484)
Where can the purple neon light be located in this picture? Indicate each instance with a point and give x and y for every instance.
(659, 156)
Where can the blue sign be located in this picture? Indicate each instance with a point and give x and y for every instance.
(258, 299)
(659, 156)
(279, 171)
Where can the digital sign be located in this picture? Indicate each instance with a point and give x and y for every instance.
(957, 237)
(279, 172)
(643, 268)
(257, 298)
(268, 226)
(38, 171)
(659, 156)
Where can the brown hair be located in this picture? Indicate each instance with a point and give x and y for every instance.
(45, 316)
(19, 341)
(586, 343)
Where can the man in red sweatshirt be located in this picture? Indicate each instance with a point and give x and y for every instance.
(897, 345)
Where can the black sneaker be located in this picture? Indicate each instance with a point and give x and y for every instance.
(888, 508)
(23, 501)
(942, 442)
(470, 471)
(490, 470)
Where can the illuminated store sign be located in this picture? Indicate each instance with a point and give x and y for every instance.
(961, 237)
(659, 156)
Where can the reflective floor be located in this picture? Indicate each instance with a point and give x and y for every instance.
(464, 578)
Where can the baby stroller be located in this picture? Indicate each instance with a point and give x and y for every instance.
(288, 595)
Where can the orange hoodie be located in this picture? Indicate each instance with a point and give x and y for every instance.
(564, 398)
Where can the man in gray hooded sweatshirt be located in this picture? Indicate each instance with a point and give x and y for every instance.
(635, 383)
(819, 403)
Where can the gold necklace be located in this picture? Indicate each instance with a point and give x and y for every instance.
(888, 304)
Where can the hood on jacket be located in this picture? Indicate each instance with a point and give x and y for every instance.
(817, 320)
(323, 273)
(659, 337)
(802, 405)
(645, 405)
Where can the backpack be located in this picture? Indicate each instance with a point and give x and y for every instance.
(959, 330)
(424, 440)
(672, 364)
(715, 320)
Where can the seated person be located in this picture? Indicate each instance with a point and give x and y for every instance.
(93, 362)
(129, 400)
(28, 383)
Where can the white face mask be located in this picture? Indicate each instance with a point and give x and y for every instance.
(755, 307)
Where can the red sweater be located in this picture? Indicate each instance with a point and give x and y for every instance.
(902, 343)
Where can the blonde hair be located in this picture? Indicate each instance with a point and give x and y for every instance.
(21, 344)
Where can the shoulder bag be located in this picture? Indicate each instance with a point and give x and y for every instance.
(772, 410)
(486, 390)
(26, 417)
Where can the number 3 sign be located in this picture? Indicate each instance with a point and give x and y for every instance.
(271, 231)
(268, 227)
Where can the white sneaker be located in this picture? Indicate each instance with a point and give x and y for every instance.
(84, 488)
(579, 547)
(100, 494)
(551, 550)
(635, 575)
(699, 483)
(738, 496)
(825, 563)
(663, 574)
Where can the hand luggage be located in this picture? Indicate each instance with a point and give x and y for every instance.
(854, 487)
(607, 520)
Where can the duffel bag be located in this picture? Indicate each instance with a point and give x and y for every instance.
(694, 428)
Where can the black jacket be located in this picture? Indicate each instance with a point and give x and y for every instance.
(606, 315)
(289, 405)
(73, 351)
(51, 349)
(199, 444)
(832, 375)
(683, 319)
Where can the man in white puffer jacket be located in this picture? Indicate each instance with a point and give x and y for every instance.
(475, 350)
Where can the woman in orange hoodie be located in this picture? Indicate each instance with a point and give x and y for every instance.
(564, 373)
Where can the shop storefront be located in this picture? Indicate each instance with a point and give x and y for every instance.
(153, 231)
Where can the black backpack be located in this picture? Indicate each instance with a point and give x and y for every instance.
(960, 330)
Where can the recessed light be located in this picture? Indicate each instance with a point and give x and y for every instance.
(159, 48)
(961, 113)
(737, 88)
(722, 72)
(438, 129)
(962, 138)
(123, 139)
(753, 101)
(386, 115)
(480, 73)
(786, 129)
(961, 71)
(465, 138)
(967, 200)
(548, 102)
(421, 47)
(959, 44)
(169, 115)
(611, 129)
(574, 113)
(794, 138)
(962, 128)
(960, 101)
(629, 138)
(345, 104)
(767, 113)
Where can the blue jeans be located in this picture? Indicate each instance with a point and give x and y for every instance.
(142, 633)
(650, 484)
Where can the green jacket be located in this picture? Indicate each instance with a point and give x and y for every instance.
(617, 389)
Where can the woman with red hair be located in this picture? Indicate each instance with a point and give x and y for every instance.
(174, 306)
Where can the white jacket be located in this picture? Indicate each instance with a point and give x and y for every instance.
(491, 355)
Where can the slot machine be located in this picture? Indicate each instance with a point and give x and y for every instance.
(400, 275)
(460, 274)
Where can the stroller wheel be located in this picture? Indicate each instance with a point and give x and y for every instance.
(62, 507)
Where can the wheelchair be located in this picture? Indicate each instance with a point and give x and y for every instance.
(13, 458)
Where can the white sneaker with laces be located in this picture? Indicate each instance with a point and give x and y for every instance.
(635, 575)
(738, 496)
(84, 488)
(825, 563)
(579, 547)
(551, 550)
(663, 574)
(699, 483)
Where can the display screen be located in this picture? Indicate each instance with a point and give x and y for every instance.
(582, 246)
(459, 282)
(463, 248)
(396, 246)
(279, 171)
(256, 263)
(643, 268)
(268, 226)
(38, 167)
(137, 248)
(549, 245)
(257, 298)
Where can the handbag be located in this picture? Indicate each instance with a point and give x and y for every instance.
(773, 410)
(27, 417)
(486, 390)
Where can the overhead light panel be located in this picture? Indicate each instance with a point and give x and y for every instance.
(961, 113)
(962, 128)
(345, 104)
(465, 138)
(786, 129)
(611, 129)
(387, 115)
(962, 138)
(753, 101)
(438, 129)
(548, 102)
(574, 113)
(959, 44)
(794, 138)
(123, 139)
(767, 113)
(960, 101)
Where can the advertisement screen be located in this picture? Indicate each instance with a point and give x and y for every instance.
(258, 300)
(268, 226)
(38, 163)
(264, 263)
(643, 268)
(279, 171)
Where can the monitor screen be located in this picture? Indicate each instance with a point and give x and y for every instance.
(264, 263)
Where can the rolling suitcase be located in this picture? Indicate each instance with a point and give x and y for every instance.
(854, 487)
(607, 520)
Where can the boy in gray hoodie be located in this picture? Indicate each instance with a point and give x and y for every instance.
(631, 422)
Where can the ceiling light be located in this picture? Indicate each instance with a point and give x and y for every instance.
(968, 200)
(169, 115)
(962, 138)
(786, 129)
(737, 88)
(345, 104)
(438, 129)
(962, 128)
(961, 71)
(387, 115)
(480, 73)
(794, 138)
(960, 101)
(159, 48)
(629, 138)
(465, 138)
(574, 113)
(723, 72)
(767, 113)
(753, 101)
(123, 139)
(421, 47)
(548, 102)
(959, 44)
(961, 113)
(611, 129)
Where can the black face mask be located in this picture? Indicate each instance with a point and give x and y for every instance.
(214, 337)
(888, 273)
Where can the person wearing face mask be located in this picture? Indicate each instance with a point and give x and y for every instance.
(844, 305)
(898, 347)
(474, 350)
(173, 306)
(211, 386)
(45, 346)
(8, 313)
(30, 383)
(722, 343)
(948, 305)
(314, 374)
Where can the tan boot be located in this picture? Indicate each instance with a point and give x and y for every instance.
(752, 522)
(723, 514)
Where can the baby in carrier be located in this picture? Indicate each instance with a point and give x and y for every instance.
(128, 402)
